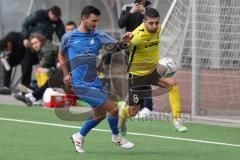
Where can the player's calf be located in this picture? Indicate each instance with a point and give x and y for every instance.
(125, 113)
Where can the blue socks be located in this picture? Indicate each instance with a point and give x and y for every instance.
(91, 123)
(88, 125)
(113, 123)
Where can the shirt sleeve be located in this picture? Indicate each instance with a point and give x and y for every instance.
(27, 24)
(105, 38)
(64, 44)
(124, 19)
(60, 29)
(136, 37)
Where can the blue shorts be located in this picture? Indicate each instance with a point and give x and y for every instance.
(93, 96)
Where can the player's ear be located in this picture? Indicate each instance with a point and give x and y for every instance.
(84, 18)
(144, 20)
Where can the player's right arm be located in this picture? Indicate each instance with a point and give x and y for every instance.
(63, 64)
(127, 37)
(132, 37)
(62, 58)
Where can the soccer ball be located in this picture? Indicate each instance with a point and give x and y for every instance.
(166, 67)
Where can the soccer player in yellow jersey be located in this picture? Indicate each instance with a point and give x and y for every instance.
(142, 64)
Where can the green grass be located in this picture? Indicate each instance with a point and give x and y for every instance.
(31, 141)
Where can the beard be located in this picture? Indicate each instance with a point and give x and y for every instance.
(89, 28)
(152, 31)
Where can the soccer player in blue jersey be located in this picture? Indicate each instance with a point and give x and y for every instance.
(81, 47)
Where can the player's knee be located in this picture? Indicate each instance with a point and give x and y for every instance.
(114, 112)
(100, 117)
(171, 82)
(133, 110)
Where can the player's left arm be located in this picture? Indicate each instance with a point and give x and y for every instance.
(109, 43)
(105, 38)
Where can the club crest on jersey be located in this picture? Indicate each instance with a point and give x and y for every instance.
(92, 41)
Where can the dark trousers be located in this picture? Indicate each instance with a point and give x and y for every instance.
(38, 93)
(7, 78)
(146, 102)
(13, 60)
(140, 86)
(29, 60)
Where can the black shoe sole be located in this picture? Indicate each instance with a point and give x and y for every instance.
(24, 100)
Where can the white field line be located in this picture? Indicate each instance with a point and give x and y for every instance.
(130, 133)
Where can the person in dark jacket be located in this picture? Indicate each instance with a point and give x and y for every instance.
(46, 53)
(30, 98)
(12, 49)
(45, 22)
(131, 17)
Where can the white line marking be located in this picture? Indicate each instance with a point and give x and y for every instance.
(130, 133)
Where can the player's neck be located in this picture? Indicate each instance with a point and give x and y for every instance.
(82, 28)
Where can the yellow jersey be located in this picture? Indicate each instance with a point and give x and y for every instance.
(143, 58)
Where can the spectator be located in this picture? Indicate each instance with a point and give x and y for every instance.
(70, 26)
(13, 51)
(45, 22)
(46, 54)
(37, 94)
(132, 15)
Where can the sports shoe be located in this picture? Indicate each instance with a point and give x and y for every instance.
(179, 126)
(145, 113)
(5, 90)
(31, 97)
(24, 99)
(38, 103)
(122, 142)
(78, 142)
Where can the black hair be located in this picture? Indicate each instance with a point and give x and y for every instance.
(147, 3)
(86, 11)
(55, 11)
(151, 13)
(71, 23)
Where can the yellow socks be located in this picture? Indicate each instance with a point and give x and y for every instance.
(123, 114)
(174, 99)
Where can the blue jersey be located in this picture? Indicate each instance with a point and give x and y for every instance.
(82, 50)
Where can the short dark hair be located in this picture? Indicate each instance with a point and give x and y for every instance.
(86, 11)
(147, 3)
(71, 23)
(151, 13)
(56, 11)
